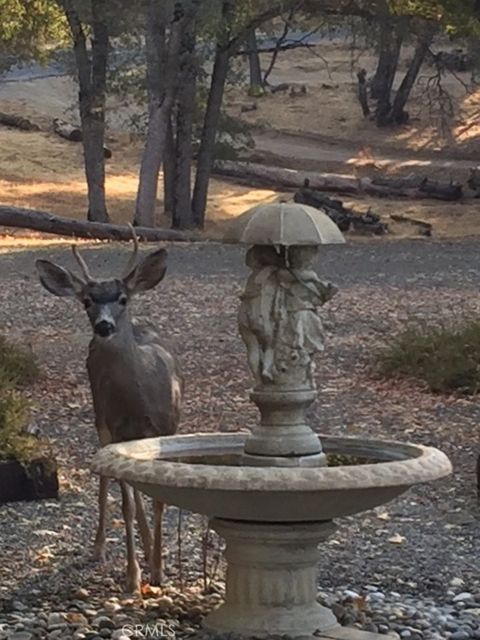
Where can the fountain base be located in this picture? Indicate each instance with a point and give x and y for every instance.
(271, 584)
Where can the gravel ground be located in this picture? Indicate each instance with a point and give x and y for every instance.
(412, 566)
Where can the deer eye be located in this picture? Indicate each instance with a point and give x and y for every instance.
(87, 303)
(122, 300)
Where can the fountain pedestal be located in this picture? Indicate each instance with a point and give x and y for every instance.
(283, 438)
(271, 579)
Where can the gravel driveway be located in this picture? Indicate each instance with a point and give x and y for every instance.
(412, 566)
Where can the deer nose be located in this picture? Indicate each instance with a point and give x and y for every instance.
(104, 328)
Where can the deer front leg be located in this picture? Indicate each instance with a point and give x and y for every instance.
(145, 533)
(156, 563)
(134, 575)
(99, 544)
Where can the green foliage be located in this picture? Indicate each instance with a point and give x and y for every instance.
(233, 138)
(445, 356)
(28, 30)
(461, 17)
(18, 368)
(256, 91)
(15, 442)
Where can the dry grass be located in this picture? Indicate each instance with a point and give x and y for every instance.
(331, 108)
(33, 174)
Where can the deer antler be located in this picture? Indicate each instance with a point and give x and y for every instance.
(82, 263)
(133, 257)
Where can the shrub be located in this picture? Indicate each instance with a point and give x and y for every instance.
(18, 368)
(445, 356)
(15, 441)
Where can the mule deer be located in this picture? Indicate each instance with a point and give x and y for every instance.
(135, 382)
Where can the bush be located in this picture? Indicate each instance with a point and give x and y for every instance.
(18, 368)
(446, 357)
(15, 442)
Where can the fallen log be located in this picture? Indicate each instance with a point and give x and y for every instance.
(18, 122)
(67, 130)
(72, 133)
(344, 218)
(431, 188)
(280, 178)
(49, 223)
(277, 177)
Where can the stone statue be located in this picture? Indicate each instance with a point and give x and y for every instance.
(278, 316)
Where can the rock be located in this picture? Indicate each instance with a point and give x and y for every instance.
(465, 596)
(81, 594)
(55, 618)
(457, 582)
(460, 635)
(21, 635)
(103, 622)
(338, 609)
(165, 602)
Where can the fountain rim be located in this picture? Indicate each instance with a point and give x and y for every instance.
(418, 464)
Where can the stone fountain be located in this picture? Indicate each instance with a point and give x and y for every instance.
(274, 494)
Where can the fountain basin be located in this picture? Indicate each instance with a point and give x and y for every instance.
(207, 474)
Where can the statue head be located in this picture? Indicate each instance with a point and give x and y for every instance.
(302, 257)
(260, 256)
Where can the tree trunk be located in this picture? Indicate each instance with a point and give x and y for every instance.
(390, 45)
(212, 114)
(162, 96)
(256, 82)
(182, 217)
(362, 92)
(48, 223)
(92, 88)
(227, 46)
(207, 143)
(169, 172)
(398, 114)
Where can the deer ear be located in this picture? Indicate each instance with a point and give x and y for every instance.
(148, 273)
(58, 280)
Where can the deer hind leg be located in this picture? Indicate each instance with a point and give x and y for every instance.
(145, 533)
(134, 575)
(99, 544)
(156, 563)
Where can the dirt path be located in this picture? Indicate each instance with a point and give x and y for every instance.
(300, 150)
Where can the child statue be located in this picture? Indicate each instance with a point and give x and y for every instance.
(278, 315)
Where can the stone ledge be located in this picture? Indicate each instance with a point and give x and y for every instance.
(351, 633)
